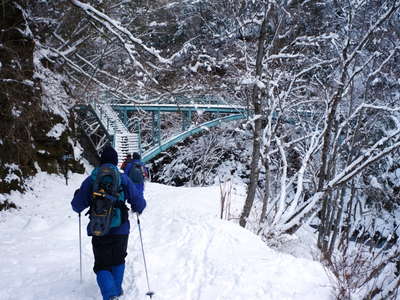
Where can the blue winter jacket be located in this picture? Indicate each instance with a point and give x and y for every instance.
(133, 195)
(139, 186)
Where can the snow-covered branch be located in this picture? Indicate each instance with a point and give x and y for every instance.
(116, 28)
(368, 157)
(372, 29)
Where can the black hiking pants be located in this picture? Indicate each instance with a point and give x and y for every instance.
(109, 250)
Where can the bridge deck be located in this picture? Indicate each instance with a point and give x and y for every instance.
(181, 107)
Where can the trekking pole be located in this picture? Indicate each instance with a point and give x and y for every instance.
(149, 293)
(80, 249)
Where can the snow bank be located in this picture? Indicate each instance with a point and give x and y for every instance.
(191, 254)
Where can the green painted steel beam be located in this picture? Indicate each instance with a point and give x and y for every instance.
(150, 154)
(156, 128)
(180, 108)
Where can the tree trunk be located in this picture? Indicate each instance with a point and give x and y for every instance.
(256, 98)
(266, 195)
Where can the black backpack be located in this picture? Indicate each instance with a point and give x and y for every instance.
(107, 205)
(136, 173)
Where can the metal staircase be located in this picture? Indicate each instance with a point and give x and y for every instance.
(126, 144)
(124, 141)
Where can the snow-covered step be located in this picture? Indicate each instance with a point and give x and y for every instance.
(125, 142)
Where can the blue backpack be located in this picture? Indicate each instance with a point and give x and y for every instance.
(107, 201)
(136, 173)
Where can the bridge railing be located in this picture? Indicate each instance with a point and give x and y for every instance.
(177, 100)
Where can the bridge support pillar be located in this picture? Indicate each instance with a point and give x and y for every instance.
(156, 127)
(138, 131)
(186, 120)
(125, 118)
(112, 140)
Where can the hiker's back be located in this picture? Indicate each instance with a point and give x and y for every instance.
(135, 172)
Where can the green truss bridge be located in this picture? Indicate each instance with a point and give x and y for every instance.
(120, 125)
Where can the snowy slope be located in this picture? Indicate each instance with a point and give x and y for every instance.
(191, 254)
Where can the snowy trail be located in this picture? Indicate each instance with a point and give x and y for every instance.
(191, 254)
(207, 258)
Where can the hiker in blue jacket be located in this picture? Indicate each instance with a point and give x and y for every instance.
(110, 250)
(136, 171)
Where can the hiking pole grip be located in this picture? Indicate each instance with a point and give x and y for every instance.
(80, 249)
(149, 293)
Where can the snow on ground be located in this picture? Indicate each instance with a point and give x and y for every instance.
(191, 254)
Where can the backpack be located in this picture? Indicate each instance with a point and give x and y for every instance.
(136, 173)
(107, 205)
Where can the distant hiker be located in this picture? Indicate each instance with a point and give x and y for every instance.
(138, 160)
(126, 161)
(136, 171)
(100, 192)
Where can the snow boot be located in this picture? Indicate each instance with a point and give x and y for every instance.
(106, 283)
(118, 274)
